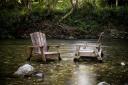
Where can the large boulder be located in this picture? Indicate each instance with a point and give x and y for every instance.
(24, 70)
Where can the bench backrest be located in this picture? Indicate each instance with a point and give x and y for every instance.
(38, 39)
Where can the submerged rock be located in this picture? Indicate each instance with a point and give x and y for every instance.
(38, 74)
(122, 64)
(24, 70)
(103, 83)
(71, 37)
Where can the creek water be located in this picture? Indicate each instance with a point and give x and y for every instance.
(13, 54)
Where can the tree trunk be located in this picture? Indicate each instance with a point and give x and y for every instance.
(27, 3)
(29, 6)
(117, 3)
(74, 4)
(77, 4)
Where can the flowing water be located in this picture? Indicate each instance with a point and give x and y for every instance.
(13, 54)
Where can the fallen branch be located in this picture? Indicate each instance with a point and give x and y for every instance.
(64, 17)
(74, 6)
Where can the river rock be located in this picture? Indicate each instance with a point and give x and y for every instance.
(38, 74)
(24, 70)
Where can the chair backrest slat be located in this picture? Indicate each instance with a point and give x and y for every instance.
(38, 39)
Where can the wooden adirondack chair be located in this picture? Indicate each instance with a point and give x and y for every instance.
(40, 47)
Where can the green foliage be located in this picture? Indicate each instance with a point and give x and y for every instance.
(9, 4)
(63, 5)
(100, 3)
(91, 16)
(8, 20)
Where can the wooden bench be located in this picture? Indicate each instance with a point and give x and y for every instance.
(93, 50)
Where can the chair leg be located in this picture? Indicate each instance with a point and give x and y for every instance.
(42, 54)
(59, 58)
(29, 54)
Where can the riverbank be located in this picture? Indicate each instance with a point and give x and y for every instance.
(62, 31)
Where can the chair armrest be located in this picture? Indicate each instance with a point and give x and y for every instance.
(54, 46)
(36, 46)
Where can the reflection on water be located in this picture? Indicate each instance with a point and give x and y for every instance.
(66, 72)
(83, 75)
